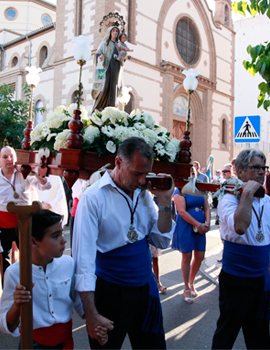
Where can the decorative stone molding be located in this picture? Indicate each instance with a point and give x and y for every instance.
(177, 71)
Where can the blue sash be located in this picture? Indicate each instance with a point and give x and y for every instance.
(131, 265)
(245, 260)
(249, 261)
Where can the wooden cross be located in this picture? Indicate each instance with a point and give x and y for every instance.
(24, 213)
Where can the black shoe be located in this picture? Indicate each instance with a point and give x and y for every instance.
(219, 261)
(217, 221)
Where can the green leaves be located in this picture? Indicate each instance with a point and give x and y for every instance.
(13, 115)
(260, 54)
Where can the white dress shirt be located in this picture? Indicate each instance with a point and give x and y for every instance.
(56, 197)
(217, 179)
(53, 294)
(79, 187)
(102, 222)
(22, 187)
(226, 209)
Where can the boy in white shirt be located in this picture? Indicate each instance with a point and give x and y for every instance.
(53, 294)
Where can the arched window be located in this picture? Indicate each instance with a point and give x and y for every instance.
(223, 132)
(187, 40)
(43, 54)
(39, 116)
(131, 105)
(227, 14)
(14, 61)
(73, 96)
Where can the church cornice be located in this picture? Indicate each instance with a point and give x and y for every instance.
(177, 72)
(48, 28)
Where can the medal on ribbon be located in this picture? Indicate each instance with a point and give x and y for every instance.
(259, 235)
(16, 195)
(132, 234)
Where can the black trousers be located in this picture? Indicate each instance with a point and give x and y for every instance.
(239, 300)
(126, 307)
(7, 236)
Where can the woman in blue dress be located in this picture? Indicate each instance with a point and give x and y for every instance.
(192, 222)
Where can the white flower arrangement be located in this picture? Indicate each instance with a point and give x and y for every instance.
(73, 106)
(40, 132)
(49, 135)
(104, 131)
(91, 133)
(115, 126)
(61, 139)
(56, 119)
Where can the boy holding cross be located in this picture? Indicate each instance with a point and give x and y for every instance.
(53, 293)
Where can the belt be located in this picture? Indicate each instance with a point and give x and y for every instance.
(196, 209)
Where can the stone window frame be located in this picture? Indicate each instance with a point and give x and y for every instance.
(226, 15)
(15, 54)
(40, 97)
(177, 20)
(224, 132)
(16, 13)
(46, 14)
(73, 96)
(41, 53)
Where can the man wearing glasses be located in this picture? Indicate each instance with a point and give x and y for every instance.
(226, 172)
(245, 228)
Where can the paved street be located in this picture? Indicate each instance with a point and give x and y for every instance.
(186, 326)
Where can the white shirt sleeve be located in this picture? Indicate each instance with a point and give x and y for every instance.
(6, 301)
(226, 209)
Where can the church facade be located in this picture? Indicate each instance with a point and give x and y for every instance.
(167, 36)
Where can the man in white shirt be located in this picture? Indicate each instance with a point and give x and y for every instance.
(245, 229)
(114, 274)
(226, 172)
(13, 187)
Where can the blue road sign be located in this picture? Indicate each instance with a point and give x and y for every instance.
(247, 129)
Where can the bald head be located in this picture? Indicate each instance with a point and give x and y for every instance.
(7, 159)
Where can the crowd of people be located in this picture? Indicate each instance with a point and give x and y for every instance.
(118, 231)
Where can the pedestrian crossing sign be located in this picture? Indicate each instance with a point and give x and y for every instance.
(247, 129)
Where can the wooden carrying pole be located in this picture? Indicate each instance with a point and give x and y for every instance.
(24, 213)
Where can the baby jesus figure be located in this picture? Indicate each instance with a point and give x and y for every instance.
(123, 48)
